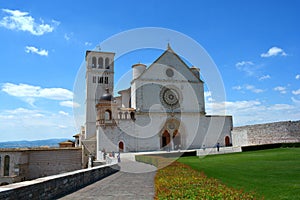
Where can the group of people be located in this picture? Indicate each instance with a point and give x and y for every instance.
(112, 154)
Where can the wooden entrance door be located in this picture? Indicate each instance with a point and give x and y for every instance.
(165, 140)
(227, 141)
(121, 146)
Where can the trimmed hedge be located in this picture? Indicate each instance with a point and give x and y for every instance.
(269, 146)
(173, 154)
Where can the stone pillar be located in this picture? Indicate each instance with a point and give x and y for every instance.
(98, 154)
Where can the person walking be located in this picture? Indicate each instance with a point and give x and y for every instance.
(218, 146)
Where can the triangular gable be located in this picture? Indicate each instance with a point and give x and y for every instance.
(171, 59)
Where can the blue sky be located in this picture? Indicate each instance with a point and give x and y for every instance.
(255, 45)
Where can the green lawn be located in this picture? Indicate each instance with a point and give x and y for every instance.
(274, 174)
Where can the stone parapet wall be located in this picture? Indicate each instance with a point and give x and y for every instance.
(270, 133)
(214, 151)
(55, 186)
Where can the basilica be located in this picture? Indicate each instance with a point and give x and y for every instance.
(162, 110)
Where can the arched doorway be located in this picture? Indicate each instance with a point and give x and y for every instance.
(165, 139)
(176, 140)
(227, 141)
(121, 146)
(107, 115)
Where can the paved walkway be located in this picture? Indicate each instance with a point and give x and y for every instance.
(134, 181)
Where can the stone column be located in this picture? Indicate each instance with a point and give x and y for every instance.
(90, 162)
(98, 151)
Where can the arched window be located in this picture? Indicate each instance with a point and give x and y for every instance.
(120, 115)
(125, 115)
(94, 79)
(107, 115)
(106, 63)
(6, 165)
(132, 116)
(100, 62)
(94, 60)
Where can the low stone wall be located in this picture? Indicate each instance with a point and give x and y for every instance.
(270, 133)
(55, 186)
(222, 150)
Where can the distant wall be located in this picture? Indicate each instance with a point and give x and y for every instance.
(46, 163)
(277, 132)
(31, 163)
(52, 187)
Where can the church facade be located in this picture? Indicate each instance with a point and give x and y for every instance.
(163, 109)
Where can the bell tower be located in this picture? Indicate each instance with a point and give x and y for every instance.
(99, 77)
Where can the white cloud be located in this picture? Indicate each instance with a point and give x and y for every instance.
(297, 76)
(62, 126)
(264, 77)
(70, 104)
(224, 107)
(296, 92)
(22, 21)
(296, 101)
(22, 114)
(248, 87)
(230, 108)
(88, 44)
(21, 90)
(243, 63)
(56, 93)
(238, 87)
(281, 107)
(254, 111)
(208, 96)
(246, 66)
(258, 91)
(274, 51)
(25, 112)
(63, 113)
(253, 89)
(67, 37)
(280, 89)
(29, 100)
(30, 91)
(41, 52)
(33, 124)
